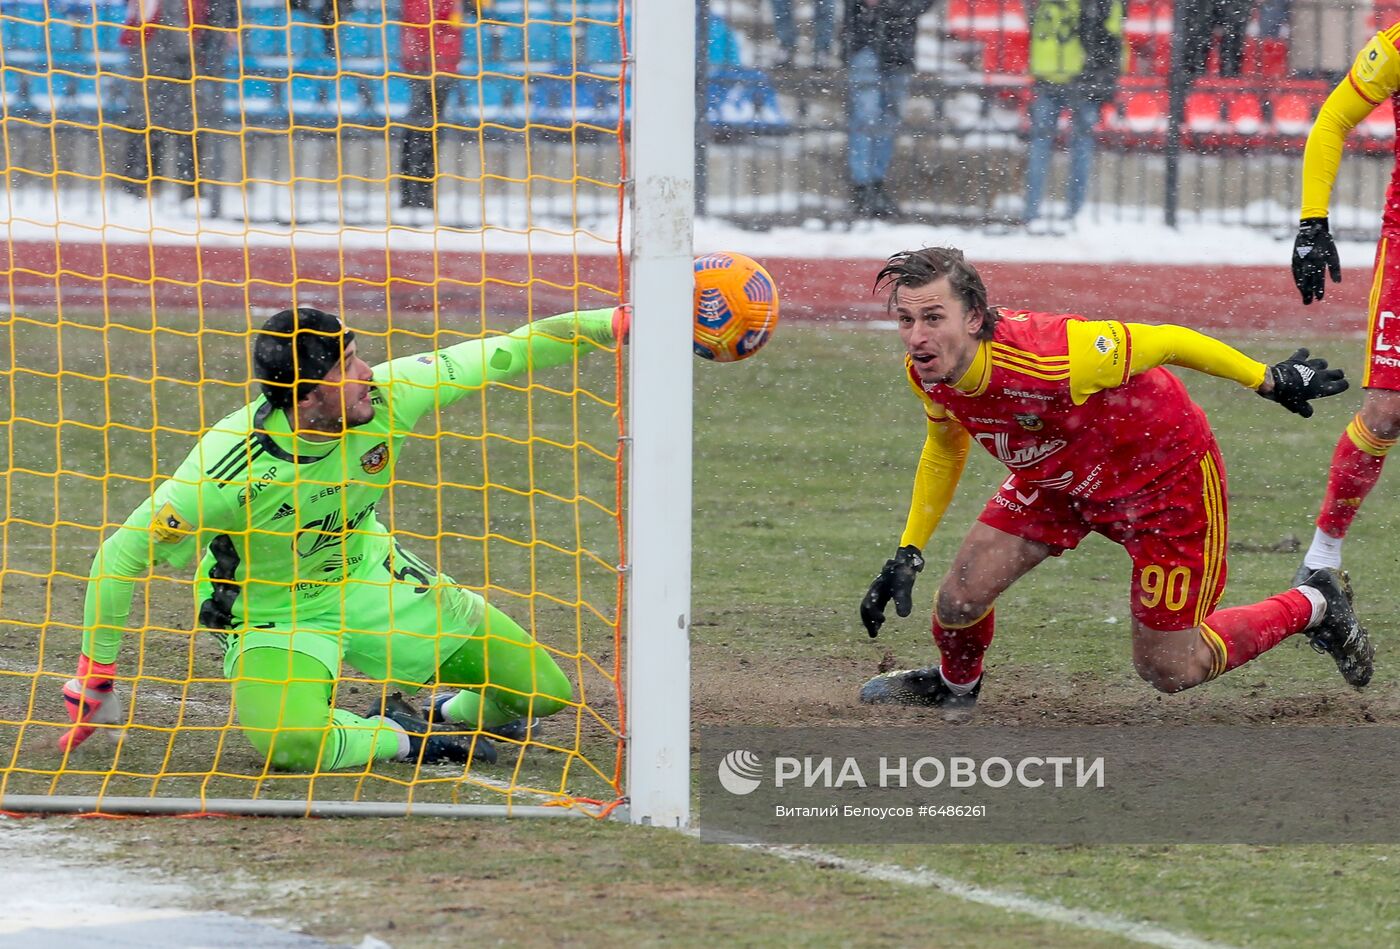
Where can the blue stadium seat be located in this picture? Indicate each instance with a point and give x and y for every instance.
(503, 99)
(265, 13)
(360, 41)
(549, 42)
(74, 97)
(502, 43)
(464, 104)
(14, 92)
(723, 49)
(315, 100)
(743, 100)
(362, 101)
(262, 41)
(507, 11)
(308, 40)
(601, 43)
(23, 39)
(263, 105)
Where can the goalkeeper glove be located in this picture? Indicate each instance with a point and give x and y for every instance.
(1314, 256)
(622, 323)
(896, 581)
(1298, 380)
(91, 700)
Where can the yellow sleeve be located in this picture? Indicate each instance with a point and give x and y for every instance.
(1374, 77)
(1105, 353)
(940, 467)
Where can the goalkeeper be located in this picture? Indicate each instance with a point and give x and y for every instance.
(1100, 438)
(298, 575)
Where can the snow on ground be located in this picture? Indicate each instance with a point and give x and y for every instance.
(34, 214)
(54, 896)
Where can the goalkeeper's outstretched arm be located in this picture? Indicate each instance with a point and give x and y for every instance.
(421, 383)
(159, 530)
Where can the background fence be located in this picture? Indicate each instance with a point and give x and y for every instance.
(298, 100)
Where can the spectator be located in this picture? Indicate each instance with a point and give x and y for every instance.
(1274, 19)
(1076, 56)
(880, 37)
(1230, 17)
(162, 110)
(823, 26)
(431, 50)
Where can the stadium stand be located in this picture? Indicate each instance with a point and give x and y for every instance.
(293, 68)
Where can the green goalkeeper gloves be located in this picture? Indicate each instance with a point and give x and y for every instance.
(896, 581)
(1298, 380)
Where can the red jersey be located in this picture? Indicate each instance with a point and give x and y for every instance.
(1061, 410)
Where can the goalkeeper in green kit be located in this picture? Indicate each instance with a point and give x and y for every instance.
(298, 575)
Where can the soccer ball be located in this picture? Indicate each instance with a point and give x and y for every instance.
(736, 307)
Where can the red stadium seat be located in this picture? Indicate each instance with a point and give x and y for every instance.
(1145, 113)
(1007, 52)
(1244, 114)
(967, 18)
(1293, 114)
(1204, 112)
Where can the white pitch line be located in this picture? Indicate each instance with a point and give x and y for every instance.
(1011, 902)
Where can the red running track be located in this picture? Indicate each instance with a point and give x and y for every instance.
(125, 277)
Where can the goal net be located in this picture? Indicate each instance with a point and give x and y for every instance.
(176, 172)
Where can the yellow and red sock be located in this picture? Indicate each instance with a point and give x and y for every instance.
(1356, 467)
(962, 647)
(1237, 635)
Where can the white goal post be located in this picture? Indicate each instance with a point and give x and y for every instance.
(660, 400)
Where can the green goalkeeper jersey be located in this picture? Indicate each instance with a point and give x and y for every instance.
(282, 521)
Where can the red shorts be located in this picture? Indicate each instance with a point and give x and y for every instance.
(1383, 314)
(1174, 531)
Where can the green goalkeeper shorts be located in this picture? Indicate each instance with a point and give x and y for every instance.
(397, 626)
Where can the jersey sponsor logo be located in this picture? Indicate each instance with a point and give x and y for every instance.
(983, 421)
(247, 494)
(1023, 394)
(286, 510)
(427, 359)
(1104, 345)
(1029, 421)
(1057, 483)
(1011, 484)
(1028, 456)
(374, 460)
(1387, 332)
(327, 531)
(168, 527)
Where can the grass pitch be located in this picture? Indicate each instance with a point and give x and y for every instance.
(804, 461)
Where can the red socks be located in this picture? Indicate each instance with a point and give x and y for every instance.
(962, 648)
(1240, 633)
(1356, 467)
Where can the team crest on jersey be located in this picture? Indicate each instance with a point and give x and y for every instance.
(167, 527)
(374, 460)
(1029, 421)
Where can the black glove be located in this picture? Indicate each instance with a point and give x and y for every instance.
(1314, 256)
(895, 580)
(1298, 380)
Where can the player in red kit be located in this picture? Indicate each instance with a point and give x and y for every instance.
(1098, 438)
(1361, 450)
